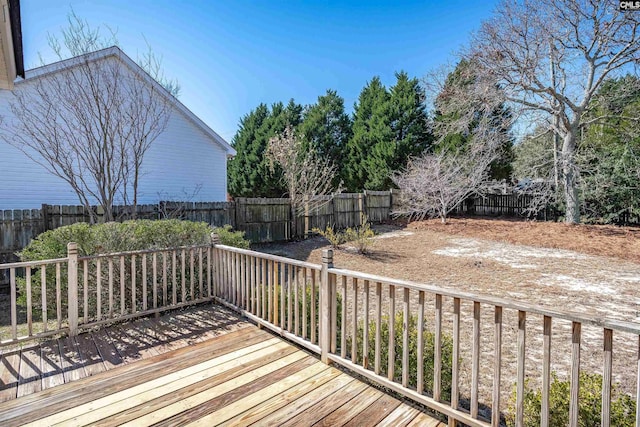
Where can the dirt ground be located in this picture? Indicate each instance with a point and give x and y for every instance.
(593, 270)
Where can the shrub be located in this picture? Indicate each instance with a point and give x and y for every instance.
(109, 238)
(623, 407)
(231, 238)
(362, 236)
(334, 238)
(429, 345)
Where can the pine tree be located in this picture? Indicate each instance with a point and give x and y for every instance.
(371, 126)
(326, 127)
(249, 174)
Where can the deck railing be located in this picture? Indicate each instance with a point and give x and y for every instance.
(479, 347)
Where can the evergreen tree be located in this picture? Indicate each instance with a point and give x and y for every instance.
(371, 125)
(460, 78)
(249, 174)
(326, 128)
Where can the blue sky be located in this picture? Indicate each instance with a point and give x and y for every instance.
(229, 56)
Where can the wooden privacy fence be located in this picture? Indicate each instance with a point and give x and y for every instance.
(262, 220)
(458, 353)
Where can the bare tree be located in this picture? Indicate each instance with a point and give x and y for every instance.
(307, 176)
(550, 57)
(435, 184)
(90, 123)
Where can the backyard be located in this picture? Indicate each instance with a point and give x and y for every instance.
(594, 270)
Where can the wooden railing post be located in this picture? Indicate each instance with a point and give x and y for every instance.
(325, 305)
(215, 240)
(72, 287)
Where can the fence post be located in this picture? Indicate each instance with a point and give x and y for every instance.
(325, 305)
(362, 206)
(72, 287)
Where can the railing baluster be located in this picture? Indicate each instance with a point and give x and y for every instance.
(253, 284)
(354, 321)
(343, 323)
(98, 289)
(122, 285)
(420, 345)
(333, 292)
(133, 284)
(154, 268)
(497, 366)
(43, 281)
(289, 299)
(283, 305)
(273, 305)
(296, 307)
(313, 308)
(264, 289)
(14, 306)
(110, 287)
(575, 373)
(29, 307)
(405, 337)
(606, 377)
(58, 296)
(183, 275)
(85, 290)
(164, 279)
(209, 272)
(546, 371)
(144, 282)
(304, 303)
(365, 329)
(522, 331)
(200, 281)
(174, 272)
(437, 353)
(192, 287)
(455, 359)
(245, 279)
(237, 280)
(391, 362)
(378, 343)
(475, 363)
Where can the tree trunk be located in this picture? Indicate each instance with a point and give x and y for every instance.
(569, 172)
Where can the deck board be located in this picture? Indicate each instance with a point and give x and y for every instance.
(201, 367)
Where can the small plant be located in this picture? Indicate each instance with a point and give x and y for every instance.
(623, 407)
(362, 236)
(333, 237)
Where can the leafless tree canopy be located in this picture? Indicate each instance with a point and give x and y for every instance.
(90, 125)
(550, 57)
(436, 183)
(307, 176)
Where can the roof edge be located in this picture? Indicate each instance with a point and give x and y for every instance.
(118, 53)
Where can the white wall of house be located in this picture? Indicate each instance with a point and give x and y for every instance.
(184, 163)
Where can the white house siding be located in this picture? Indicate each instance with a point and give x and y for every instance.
(183, 159)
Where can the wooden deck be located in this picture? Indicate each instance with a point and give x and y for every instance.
(203, 366)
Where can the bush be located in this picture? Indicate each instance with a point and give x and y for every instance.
(334, 238)
(429, 345)
(109, 238)
(362, 236)
(623, 407)
(231, 238)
